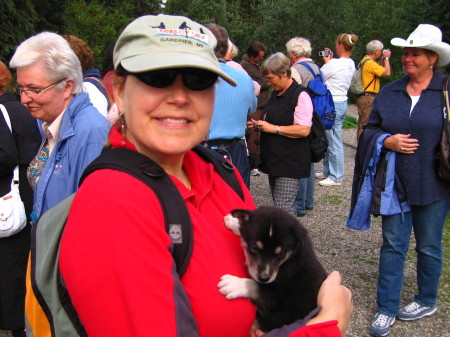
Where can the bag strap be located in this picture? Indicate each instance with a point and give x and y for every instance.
(307, 66)
(104, 91)
(445, 106)
(360, 66)
(8, 122)
(150, 173)
(222, 166)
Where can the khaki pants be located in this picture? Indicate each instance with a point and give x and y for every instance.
(364, 104)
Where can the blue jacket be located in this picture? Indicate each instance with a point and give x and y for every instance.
(376, 187)
(82, 136)
(391, 114)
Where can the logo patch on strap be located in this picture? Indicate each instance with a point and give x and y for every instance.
(176, 233)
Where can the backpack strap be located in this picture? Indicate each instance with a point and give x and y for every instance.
(222, 166)
(360, 66)
(307, 66)
(146, 170)
(100, 86)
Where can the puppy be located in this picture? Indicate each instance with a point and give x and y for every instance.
(286, 274)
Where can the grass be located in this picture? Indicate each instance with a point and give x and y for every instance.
(333, 199)
(350, 123)
(445, 276)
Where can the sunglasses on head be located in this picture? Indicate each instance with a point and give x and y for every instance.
(193, 78)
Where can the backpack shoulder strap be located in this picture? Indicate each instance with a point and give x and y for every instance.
(222, 166)
(149, 172)
(307, 66)
(361, 64)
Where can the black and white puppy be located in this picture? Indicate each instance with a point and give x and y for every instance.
(286, 274)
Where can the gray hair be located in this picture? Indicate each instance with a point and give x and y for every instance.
(59, 59)
(300, 46)
(277, 64)
(374, 46)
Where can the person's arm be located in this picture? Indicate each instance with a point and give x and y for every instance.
(302, 120)
(385, 63)
(336, 305)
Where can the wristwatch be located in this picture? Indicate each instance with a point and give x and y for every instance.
(278, 129)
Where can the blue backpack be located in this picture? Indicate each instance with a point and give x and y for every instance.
(322, 98)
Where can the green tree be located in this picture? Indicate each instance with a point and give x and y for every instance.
(16, 24)
(97, 24)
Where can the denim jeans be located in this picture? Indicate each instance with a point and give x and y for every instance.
(305, 193)
(333, 163)
(428, 223)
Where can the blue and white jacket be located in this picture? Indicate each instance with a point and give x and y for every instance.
(82, 136)
(376, 188)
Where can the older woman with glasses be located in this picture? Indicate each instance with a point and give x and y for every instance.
(49, 82)
(285, 125)
(123, 282)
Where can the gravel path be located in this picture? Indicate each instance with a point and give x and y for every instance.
(355, 254)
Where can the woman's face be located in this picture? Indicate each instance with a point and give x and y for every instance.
(416, 61)
(164, 122)
(278, 82)
(46, 105)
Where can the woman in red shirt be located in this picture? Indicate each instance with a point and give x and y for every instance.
(115, 252)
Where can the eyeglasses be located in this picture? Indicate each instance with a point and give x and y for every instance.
(34, 91)
(193, 78)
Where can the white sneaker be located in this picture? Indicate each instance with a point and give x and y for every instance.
(320, 175)
(328, 182)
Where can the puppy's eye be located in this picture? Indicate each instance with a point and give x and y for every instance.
(253, 248)
(281, 254)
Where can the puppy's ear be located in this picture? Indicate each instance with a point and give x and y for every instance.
(241, 214)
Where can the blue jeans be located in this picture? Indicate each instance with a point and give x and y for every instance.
(305, 193)
(428, 223)
(333, 163)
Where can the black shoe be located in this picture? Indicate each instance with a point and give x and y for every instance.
(309, 208)
(300, 214)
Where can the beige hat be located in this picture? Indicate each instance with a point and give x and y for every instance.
(166, 41)
(428, 37)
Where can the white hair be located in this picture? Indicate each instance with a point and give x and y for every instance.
(300, 46)
(374, 46)
(59, 59)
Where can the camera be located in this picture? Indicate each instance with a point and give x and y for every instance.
(325, 52)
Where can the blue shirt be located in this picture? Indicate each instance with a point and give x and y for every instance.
(391, 113)
(232, 105)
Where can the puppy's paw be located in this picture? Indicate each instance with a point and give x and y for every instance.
(232, 223)
(234, 287)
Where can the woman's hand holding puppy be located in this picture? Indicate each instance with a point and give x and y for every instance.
(336, 302)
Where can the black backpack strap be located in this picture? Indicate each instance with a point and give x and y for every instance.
(222, 166)
(178, 224)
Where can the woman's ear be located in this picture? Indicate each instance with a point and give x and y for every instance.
(118, 85)
(68, 87)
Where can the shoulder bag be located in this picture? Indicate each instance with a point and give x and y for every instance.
(12, 210)
(443, 150)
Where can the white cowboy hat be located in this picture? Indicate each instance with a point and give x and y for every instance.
(428, 37)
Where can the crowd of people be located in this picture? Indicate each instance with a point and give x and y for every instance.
(171, 84)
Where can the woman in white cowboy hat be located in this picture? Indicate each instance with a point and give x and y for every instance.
(410, 111)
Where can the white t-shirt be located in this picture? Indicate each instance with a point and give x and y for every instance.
(98, 100)
(337, 75)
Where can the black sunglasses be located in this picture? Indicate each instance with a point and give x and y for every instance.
(193, 78)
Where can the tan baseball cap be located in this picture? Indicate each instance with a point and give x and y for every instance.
(165, 41)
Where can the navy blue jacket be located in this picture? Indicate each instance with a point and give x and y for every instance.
(390, 114)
